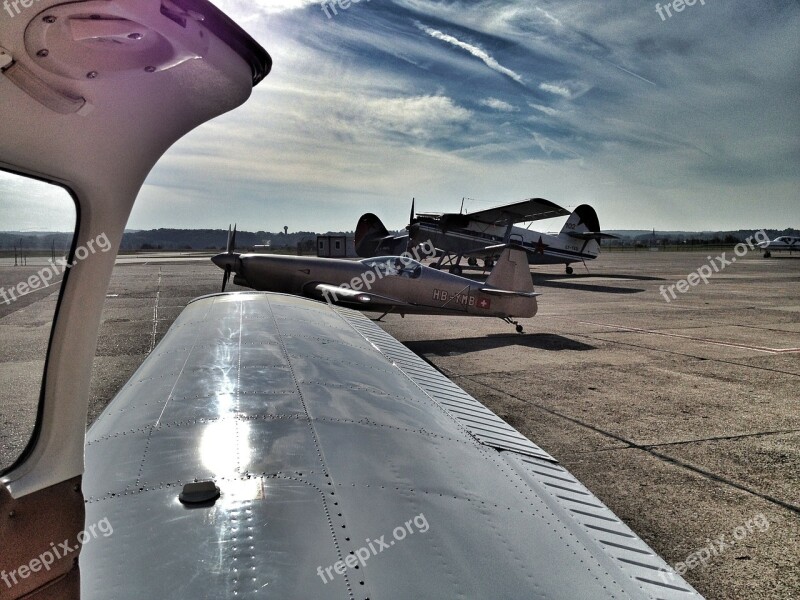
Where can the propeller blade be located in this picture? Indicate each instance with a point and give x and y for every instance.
(413, 216)
(233, 240)
(228, 247)
(226, 277)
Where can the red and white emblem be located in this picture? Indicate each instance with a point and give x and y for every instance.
(484, 303)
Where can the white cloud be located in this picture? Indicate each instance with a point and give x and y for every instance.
(239, 9)
(550, 112)
(474, 50)
(420, 116)
(547, 15)
(498, 104)
(556, 89)
(566, 89)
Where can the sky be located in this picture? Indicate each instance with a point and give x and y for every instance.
(688, 121)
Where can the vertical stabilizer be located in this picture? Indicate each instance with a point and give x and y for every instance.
(584, 225)
(370, 232)
(511, 272)
(582, 220)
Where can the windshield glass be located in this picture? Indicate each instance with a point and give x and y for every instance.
(398, 266)
(37, 224)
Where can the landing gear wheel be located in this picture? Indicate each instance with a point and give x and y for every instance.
(456, 270)
(570, 270)
(488, 263)
(472, 261)
(767, 254)
(511, 321)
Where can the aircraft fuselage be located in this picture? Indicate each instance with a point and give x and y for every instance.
(393, 284)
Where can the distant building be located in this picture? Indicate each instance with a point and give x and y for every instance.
(335, 246)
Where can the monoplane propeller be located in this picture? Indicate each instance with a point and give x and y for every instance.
(229, 259)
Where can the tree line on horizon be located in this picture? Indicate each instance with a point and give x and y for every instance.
(216, 239)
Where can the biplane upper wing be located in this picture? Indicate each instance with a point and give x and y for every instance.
(534, 209)
(348, 468)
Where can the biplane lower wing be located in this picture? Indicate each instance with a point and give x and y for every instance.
(333, 447)
(592, 235)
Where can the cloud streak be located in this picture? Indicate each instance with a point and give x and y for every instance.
(472, 49)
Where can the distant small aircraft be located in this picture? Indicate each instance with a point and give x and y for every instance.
(785, 243)
(387, 284)
(477, 235)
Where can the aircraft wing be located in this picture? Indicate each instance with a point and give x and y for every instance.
(345, 295)
(332, 444)
(534, 209)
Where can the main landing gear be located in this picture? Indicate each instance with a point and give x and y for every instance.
(451, 261)
(511, 321)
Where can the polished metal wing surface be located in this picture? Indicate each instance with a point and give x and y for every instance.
(347, 467)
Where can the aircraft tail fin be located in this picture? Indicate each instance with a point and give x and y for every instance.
(511, 273)
(582, 220)
(370, 231)
(584, 225)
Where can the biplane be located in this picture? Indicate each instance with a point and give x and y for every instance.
(476, 236)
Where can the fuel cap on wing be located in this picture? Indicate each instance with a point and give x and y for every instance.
(200, 492)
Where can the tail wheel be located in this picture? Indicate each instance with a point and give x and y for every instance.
(570, 270)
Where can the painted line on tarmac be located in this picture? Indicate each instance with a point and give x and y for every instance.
(696, 339)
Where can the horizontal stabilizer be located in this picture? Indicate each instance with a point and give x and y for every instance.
(494, 292)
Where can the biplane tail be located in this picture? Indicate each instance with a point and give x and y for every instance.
(583, 224)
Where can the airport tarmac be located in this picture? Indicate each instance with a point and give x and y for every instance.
(682, 416)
